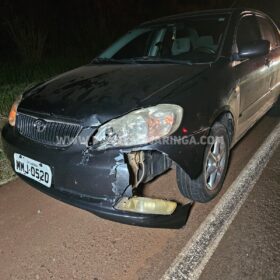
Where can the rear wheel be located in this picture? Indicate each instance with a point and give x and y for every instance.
(210, 181)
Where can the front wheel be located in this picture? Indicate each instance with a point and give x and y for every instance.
(210, 181)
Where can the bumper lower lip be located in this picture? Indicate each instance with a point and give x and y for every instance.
(104, 209)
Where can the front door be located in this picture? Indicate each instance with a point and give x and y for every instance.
(252, 74)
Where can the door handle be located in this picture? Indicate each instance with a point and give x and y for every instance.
(267, 61)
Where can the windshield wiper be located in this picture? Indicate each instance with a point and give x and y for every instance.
(152, 59)
(142, 59)
(106, 60)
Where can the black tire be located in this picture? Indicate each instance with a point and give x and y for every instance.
(199, 189)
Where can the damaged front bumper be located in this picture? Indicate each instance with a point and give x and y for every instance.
(96, 180)
(104, 208)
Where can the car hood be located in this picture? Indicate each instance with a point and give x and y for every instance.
(97, 93)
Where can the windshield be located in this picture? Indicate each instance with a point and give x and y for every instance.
(193, 40)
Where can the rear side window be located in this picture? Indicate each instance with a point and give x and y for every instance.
(269, 32)
(248, 31)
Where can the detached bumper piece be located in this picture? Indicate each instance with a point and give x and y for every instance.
(145, 205)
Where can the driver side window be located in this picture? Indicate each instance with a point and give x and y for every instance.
(248, 31)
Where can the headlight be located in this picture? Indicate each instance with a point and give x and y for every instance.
(140, 127)
(13, 112)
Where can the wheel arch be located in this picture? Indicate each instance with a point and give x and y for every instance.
(226, 117)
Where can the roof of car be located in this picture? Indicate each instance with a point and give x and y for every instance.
(198, 13)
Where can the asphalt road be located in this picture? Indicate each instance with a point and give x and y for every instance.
(250, 249)
(42, 238)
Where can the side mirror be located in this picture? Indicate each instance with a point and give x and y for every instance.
(253, 49)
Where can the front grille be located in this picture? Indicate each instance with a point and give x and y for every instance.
(52, 133)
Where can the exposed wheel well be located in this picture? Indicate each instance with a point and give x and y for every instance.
(226, 118)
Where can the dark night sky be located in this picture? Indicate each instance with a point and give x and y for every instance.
(63, 28)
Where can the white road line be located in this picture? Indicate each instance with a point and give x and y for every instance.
(190, 263)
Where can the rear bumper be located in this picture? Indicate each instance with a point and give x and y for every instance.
(88, 181)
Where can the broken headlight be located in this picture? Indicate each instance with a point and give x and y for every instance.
(139, 127)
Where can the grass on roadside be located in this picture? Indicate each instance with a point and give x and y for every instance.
(6, 172)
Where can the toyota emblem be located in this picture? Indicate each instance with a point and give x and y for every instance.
(40, 125)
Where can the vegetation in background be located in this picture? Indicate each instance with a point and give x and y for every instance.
(15, 78)
(29, 39)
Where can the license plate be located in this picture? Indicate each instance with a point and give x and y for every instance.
(33, 169)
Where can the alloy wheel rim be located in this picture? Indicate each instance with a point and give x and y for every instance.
(215, 163)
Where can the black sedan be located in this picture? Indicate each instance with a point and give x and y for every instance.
(176, 92)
